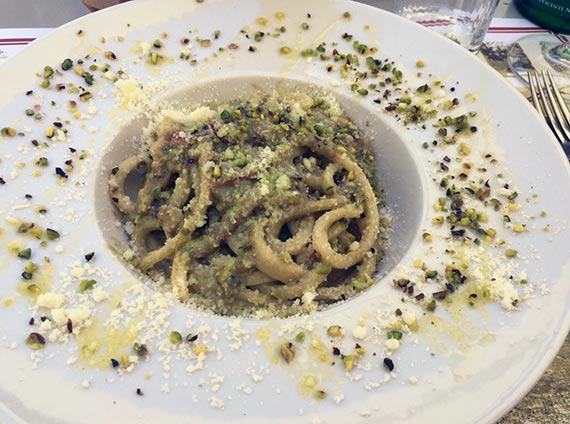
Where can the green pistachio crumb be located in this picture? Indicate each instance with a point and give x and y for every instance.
(287, 352)
(175, 337)
(335, 331)
(85, 285)
(25, 253)
(395, 334)
(320, 394)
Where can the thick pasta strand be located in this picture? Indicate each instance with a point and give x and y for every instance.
(191, 223)
(117, 183)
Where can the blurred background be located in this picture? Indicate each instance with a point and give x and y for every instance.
(53, 13)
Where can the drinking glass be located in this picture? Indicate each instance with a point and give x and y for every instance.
(463, 21)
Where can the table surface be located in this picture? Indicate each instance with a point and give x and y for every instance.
(547, 403)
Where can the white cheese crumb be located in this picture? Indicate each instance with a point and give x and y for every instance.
(339, 398)
(216, 402)
(99, 295)
(50, 300)
(392, 344)
(359, 332)
(409, 317)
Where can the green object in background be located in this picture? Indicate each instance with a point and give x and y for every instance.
(550, 14)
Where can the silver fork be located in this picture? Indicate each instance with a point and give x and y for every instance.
(548, 101)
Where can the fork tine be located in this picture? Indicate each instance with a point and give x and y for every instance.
(533, 92)
(560, 108)
(546, 108)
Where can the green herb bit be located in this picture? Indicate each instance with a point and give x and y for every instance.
(431, 306)
(305, 26)
(175, 337)
(36, 341)
(362, 92)
(26, 275)
(395, 334)
(85, 285)
(285, 50)
(25, 253)
(511, 253)
(300, 336)
(287, 352)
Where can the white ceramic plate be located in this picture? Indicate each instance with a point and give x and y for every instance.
(463, 365)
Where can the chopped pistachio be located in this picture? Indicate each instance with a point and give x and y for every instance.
(36, 341)
(348, 361)
(175, 337)
(287, 352)
(335, 331)
(48, 71)
(25, 253)
(190, 338)
(35, 289)
(67, 64)
(85, 285)
(320, 394)
(52, 234)
(395, 334)
(140, 349)
(323, 269)
(431, 274)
